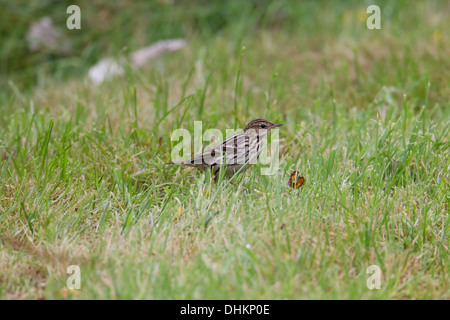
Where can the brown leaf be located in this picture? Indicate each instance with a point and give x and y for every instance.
(295, 181)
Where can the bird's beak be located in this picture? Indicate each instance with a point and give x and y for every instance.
(276, 125)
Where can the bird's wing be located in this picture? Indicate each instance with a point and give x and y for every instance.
(236, 148)
(230, 147)
(208, 158)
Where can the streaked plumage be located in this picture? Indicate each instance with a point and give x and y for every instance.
(239, 151)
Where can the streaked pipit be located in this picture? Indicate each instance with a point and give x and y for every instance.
(236, 153)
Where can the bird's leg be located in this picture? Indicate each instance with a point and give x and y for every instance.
(234, 184)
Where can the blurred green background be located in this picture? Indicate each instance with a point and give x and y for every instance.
(116, 27)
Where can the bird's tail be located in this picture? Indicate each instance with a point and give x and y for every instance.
(189, 163)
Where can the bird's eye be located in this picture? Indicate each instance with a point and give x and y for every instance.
(263, 126)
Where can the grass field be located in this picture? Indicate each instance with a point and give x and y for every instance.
(366, 122)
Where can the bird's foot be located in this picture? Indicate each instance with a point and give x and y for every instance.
(234, 184)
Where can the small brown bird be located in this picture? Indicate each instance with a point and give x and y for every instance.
(236, 153)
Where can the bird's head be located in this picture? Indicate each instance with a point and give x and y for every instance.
(261, 124)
